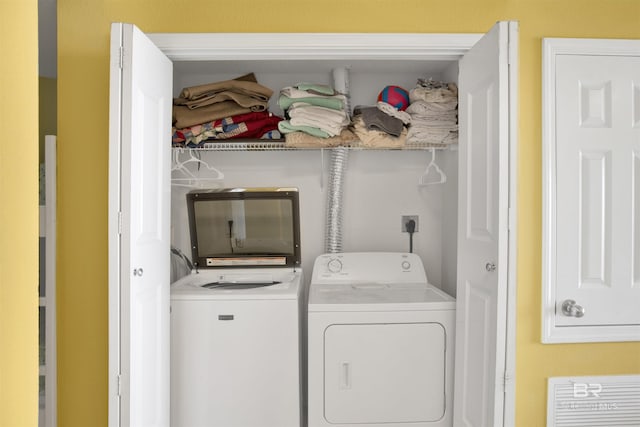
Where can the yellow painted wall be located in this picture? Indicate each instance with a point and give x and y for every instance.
(19, 213)
(83, 166)
(48, 88)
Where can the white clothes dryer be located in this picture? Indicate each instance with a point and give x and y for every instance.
(236, 319)
(380, 343)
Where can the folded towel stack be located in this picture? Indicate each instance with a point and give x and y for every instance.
(314, 109)
(434, 113)
(226, 109)
(380, 126)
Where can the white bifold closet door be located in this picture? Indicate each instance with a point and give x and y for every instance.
(139, 227)
(486, 82)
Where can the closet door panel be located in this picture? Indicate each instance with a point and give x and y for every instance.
(139, 211)
(483, 204)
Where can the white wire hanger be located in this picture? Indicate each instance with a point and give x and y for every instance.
(432, 174)
(184, 176)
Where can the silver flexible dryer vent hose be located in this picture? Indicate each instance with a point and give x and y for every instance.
(333, 240)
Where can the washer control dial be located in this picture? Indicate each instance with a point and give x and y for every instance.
(334, 265)
(406, 265)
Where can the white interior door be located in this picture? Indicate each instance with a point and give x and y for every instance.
(139, 210)
(483, 229)
(598, 189)
(591, 191)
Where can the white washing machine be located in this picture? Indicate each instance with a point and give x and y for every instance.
(380, 343)
(235, 320)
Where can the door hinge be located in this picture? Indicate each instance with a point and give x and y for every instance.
(119, 385)
(119, 222)
(507, 381)
(121, 57)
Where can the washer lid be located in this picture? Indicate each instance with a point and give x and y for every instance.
(244, 227)
(378, 297)
(239, 284)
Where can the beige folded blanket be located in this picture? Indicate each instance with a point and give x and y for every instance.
(304, 140)
(183, 117)
(434, 95)
(376, 138)
(419, 135)
(210, 93)
(423, 108)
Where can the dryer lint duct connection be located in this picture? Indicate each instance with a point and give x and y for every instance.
(339, 160)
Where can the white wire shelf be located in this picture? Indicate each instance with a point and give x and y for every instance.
(280, 145)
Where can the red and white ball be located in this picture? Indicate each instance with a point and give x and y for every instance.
(396, 96)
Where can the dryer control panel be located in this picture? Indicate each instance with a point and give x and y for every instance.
(371, 267)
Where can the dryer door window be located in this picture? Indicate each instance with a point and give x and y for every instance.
(384, 373)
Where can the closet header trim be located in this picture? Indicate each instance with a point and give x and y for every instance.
(317, 46)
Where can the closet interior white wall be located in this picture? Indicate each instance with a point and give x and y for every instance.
(380, 185)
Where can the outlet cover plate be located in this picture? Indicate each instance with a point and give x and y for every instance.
(405, 219)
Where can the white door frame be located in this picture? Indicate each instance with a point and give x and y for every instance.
(356, 46)
(512, 302)
(551, 333)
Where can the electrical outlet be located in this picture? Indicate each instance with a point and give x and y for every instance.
(405, 219)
